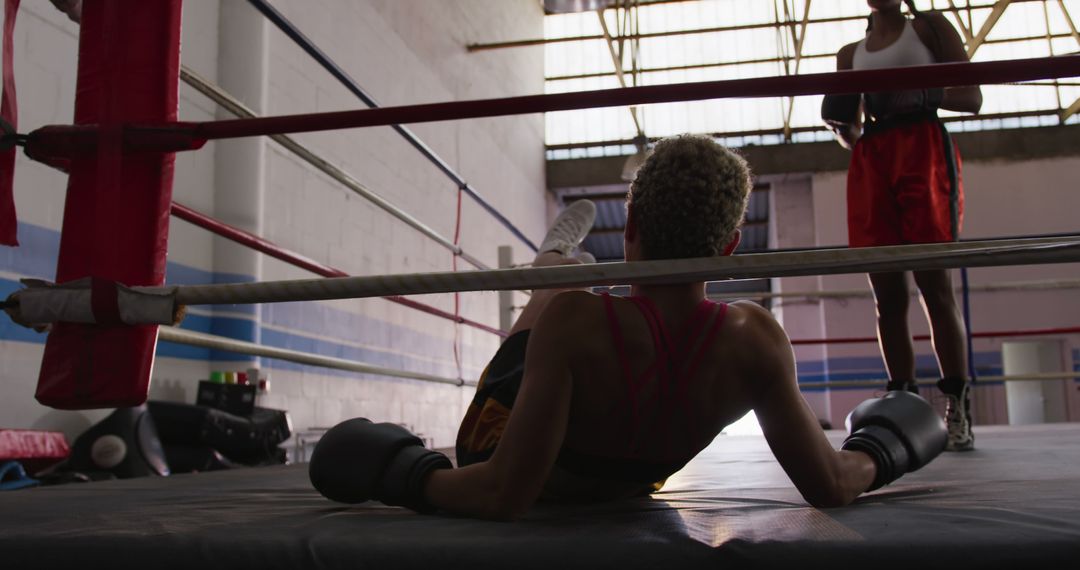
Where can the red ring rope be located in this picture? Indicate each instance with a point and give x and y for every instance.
(273, 250)
(55, 141)
(850, 81)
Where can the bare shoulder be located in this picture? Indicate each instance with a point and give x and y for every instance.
(764, 356)
(756, 327)
(935, 20)
(571, 323)
(929, 25)
(569, 304)
(846, 56)
(939, 35)
(570, 311)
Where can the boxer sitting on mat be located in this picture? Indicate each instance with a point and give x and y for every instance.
(595, 397)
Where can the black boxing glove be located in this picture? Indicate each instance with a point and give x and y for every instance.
(888, 104)
(357, 460)
(932, 98)
(841, 110)
(899, 431)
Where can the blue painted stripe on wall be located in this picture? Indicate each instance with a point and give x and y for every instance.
(36, 254)
(810, 367)
(873, 368)
(275, 364)
(987, 358)
(325, 321)
(375, 357)
(234, 328)
(8, 329)
(197, 323)
(179, 274)
(36, 257)
(240, 329)
(880, 374)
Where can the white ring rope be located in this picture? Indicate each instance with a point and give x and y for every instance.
(930, 382)
(1043, 285)
(819, 262)
(192, 338)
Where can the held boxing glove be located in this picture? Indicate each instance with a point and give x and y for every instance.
(840, 110)
(899, 431)
(358, 460)
(891, 104)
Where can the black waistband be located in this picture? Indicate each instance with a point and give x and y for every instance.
(902, 120)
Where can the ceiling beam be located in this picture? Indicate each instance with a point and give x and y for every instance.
(799, 39)
(1072, 110)
(988, 25)
(598, 37)
(617, 63)
(767, 60)
(964, 29)
(645, 36)
(1069, 21)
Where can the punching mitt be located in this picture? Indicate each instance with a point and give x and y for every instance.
(358, 461)
(899, 431)
(124, 444)
(841, 110)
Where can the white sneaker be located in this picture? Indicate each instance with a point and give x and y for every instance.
(570, 227)
(958, 420)
(585, 257)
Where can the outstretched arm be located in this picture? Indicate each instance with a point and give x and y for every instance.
(824, 476)
(505, 486)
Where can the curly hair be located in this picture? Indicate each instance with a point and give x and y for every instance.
(689, 198)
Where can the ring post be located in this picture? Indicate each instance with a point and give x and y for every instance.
(116, 215)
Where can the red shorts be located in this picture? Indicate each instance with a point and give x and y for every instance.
(902, 188)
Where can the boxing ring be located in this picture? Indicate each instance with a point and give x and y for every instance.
(1015, 500)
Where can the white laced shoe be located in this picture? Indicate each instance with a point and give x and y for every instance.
(585, 257)
(570, 227)
(958, 420)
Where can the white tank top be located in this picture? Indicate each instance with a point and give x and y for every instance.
(908, 49)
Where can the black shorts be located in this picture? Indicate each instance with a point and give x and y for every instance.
(486, 418)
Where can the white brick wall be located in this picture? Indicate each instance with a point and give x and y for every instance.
(400, 51)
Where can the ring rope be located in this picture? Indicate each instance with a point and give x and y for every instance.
(929, 382)
(261, 245)
(1043, 285)
(305, 43)
(218, 95)
(924, 337)
(235, 106)
(847, 81)
(192, 338)
(751, 266)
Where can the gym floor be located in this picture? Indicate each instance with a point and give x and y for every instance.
(1013, 502)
